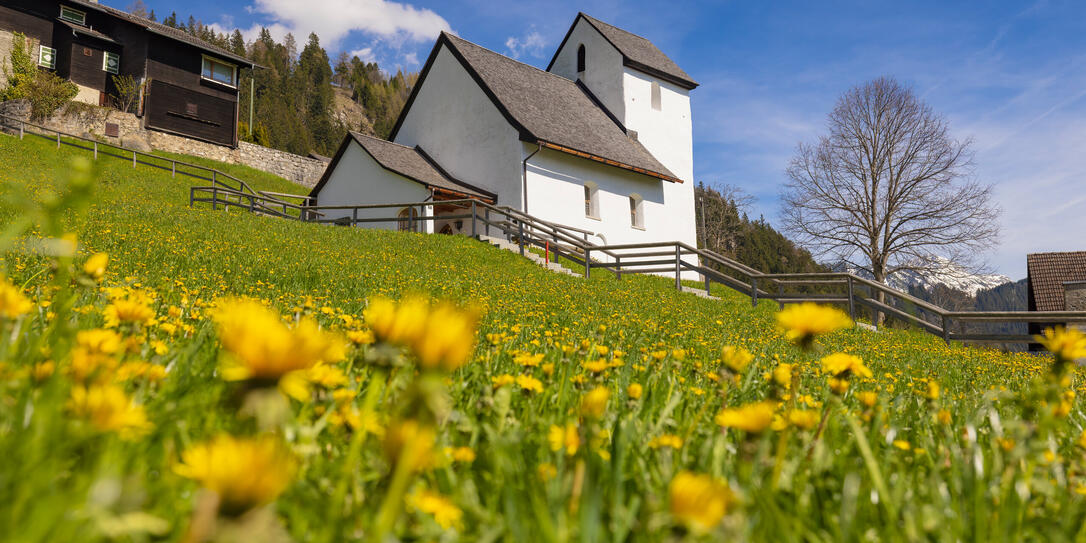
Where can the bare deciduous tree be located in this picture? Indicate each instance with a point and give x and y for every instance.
(888, 189)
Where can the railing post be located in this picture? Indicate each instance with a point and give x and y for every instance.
(354, 217)
(252, 202)
(21, 125)
(780, 296)
(520, 236)
(95, 150)
(946, 329)
(678, 268)
(214, 177)
(473, 227)
(754, 291)
(707, 280)
(173, 169)
(486, 218)
(58, 140)
(618, 267)
(587, 262)
(133, 159)
(851, 300)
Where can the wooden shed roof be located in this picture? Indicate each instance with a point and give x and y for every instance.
(1047, 274)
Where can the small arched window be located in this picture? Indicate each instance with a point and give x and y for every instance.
(637, 211)
(580, 59)
(591, 200)
(655, 96)
(407, 222)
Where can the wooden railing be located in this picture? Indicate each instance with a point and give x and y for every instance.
(175, 167)
(666, 257)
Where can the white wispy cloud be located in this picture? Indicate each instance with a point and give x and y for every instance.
(531, 43)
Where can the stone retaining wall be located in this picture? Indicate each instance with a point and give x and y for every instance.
(90, 122)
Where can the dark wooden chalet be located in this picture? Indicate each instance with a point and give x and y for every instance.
(190, 87)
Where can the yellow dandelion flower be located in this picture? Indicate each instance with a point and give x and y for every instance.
(529, 383)
(445, 513)
(803, 418)
(803, 322)
(594, 403)
(844, 366)
(243, 472)
(13, 303)
(95, 266)
(360, 337)
(752, 418)
(447, 339)
(132, 309)
(736, 358)
(109, 409)
(1067, 344)
(782, 375)
(461, 454)
(503, 380)
(411, 442)
(401, 323)
(902, 444)
(596, 366)
(634, 391)
(867, 398)
(566, 438)
(265, 348)
(699, 501)
(528, 360)
(667, 440)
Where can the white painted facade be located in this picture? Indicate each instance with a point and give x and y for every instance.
(454, 121)
(457, 124)
(360, 180)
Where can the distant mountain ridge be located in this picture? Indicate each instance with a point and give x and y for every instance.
(948, 275)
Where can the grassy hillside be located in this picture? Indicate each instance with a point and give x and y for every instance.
(939, 443)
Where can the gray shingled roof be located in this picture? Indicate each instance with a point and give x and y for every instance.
(1047, 274)
(640, 51)
(554, 109)
(163, 30)
(412, 163)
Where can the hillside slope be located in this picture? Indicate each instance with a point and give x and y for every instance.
(548, 462)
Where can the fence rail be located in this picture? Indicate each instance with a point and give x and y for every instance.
(665, 257)
(175, 167)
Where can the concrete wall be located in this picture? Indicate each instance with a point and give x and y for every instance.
(463, 131)
(359, 180)
(603, 66)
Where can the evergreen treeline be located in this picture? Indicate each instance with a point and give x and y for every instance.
(725, 228)
(294, 108)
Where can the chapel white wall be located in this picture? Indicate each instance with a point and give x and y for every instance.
(359, 180)
(556, 193)
(463, 131)
(603, 65)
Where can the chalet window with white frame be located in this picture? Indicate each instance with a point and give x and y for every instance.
(591, 200)
(220, 72)
(655, 96)
(637, 211)
(111, 62)
(73, 15)
(47, 57)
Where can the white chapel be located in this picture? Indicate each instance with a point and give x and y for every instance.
(600, 141)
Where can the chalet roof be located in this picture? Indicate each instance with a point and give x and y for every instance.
(637, 53)
(410, 162)
(79, 29)
(1047, 274)
(162, 30)
(549, 109)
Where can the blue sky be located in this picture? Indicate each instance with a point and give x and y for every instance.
(1009, 75)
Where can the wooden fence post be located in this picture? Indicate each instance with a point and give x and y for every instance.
(520, 236)
(354, 217)
(95, 150)
(21, 125)
(133, 159)
(678, 267)
(173, 169)
(851, 300)
(618, 267)
(707, 280)
(58, 140)
(486, 218)
(946, 329)
(473, 233)
(754, 291)
(587, 262)
(780, 296)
